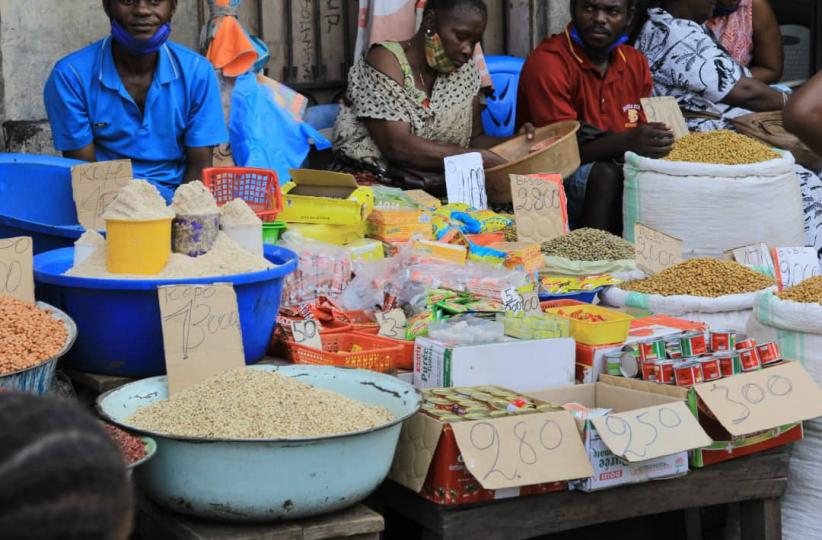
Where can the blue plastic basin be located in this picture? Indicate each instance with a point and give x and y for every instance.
(582, 296)
(119, 320)
(36, 200)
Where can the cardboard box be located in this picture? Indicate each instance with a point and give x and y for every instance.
(746, 413)
(325, 197)
(520, 365)
(591, 360)
(645, 437)
(454, 464)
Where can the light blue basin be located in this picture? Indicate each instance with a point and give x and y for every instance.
(263, 480)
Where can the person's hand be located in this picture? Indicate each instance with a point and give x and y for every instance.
(653, 140)
(491, 159)
(529, 130)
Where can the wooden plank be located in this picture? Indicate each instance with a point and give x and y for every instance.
(303, 41)
(762, 476)
(274, 30)
(519, 28)
(493, 41)
(332, 36)
(355, 522)
(761, 519)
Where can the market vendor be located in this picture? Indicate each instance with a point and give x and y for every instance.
(803, 114)
(136, 95)
(410, 104)
(587, 73)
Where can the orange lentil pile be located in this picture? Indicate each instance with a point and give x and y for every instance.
(28, 335)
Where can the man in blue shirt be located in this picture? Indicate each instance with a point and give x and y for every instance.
(136, 95)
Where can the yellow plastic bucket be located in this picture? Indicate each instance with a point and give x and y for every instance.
(138, 247)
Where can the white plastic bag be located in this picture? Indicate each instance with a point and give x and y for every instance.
(714, 208)
(797, 328)
(731, 311)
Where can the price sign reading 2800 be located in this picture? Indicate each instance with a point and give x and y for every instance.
(201, 332)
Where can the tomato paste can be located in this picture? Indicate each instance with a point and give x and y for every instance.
(723, 340)
(649, 371)
(769, 353)
(747, 343)
(441, 404)
(664, 370)
(613, 362)
(749, 359)
(693, 344)
(727, 364)
(687, 373)
(629, 366)
(652, 349)
(711, 370)
(672, 348)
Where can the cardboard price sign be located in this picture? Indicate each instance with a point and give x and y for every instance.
(94, 186)
(655, 251)
(539, 207)
(651, 432)
(793, 265)
(762, 400)
(523, 450)
(392, 324)
(201, 332)
(757, 255)
(465, 180)
(16, 274)
(307, 333)
(665, 109)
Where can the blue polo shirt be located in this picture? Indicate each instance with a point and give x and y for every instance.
(87, 102)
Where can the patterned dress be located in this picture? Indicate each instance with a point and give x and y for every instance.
(687, 63)
(735, 32)
(446, 116)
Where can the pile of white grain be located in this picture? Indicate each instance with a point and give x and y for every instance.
(254, 404)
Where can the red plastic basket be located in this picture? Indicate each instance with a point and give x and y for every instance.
(377, 354)
(259, 188)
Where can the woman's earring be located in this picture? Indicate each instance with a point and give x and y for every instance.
(429, 32)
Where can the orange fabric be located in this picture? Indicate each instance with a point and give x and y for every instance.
(231, 50)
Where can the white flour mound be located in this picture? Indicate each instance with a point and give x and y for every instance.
(224, 259)
(194, 199)
(138, 201)
(91, 238)
(237, 213)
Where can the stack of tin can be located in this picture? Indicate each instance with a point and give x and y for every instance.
(465, 404)
(692, 357)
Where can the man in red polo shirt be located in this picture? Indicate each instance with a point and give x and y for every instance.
(587, 73)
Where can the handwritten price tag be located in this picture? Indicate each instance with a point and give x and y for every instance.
(523, 450)
(392, 324)
(94, 186)
(539, 207)
(201, 332)
(465, 180)
(764, 399)
(655, 251)
(530, 303)
(307, 333)
(16, 275)
(665, 109)
(651, 432)
(754, 255)
(793, 265)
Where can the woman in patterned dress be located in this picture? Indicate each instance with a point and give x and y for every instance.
(410, 104)
(687, 63)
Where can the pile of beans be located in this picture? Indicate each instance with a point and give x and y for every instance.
(28, 335)
(807, 292)
(702, 277)
(589, 245)
(721, 146)
(132, 447)
(253, 404)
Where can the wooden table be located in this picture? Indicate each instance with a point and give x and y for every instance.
(356, 523)
(756, 482)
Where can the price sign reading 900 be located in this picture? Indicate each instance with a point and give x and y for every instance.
(16, 277)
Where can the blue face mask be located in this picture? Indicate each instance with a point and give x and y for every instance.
(140, 47)
(720, 11)
(578, 40)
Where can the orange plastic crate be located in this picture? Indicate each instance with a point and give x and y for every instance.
(378, 354)
(361, 322)
(259, 188)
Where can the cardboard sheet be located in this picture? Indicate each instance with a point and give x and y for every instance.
(540, 207)
(761, 400)
(16, 274)
(94, 186)
(665, 109)
(523, 450)
(655, 251)
(418, 441)
(201, 332)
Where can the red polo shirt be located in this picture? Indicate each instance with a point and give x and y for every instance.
(558, 83)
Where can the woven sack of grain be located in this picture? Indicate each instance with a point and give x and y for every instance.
(797, 328)
(713, 208)
(731, 311)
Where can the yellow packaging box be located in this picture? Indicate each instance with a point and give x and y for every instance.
(325, 197)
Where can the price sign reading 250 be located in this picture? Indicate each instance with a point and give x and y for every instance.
(196, 312)
(640, 432)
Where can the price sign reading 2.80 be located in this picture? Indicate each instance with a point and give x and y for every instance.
(532, 441)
